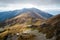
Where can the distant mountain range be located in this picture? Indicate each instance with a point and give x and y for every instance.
(10, 14)
(53, 12)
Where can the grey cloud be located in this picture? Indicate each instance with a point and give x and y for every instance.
(31, 1)
(3, 5)
(35, 2)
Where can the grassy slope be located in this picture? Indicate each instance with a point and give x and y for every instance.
(17, 28)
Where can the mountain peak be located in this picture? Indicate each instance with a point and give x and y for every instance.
(33, 11)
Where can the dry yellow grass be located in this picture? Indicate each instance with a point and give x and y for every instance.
(20, 28)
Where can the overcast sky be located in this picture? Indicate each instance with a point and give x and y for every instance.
(19, 4)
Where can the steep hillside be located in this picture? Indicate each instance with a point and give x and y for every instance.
(42, 13)
(51, 27)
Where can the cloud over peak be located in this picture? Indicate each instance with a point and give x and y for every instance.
(42, 4)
